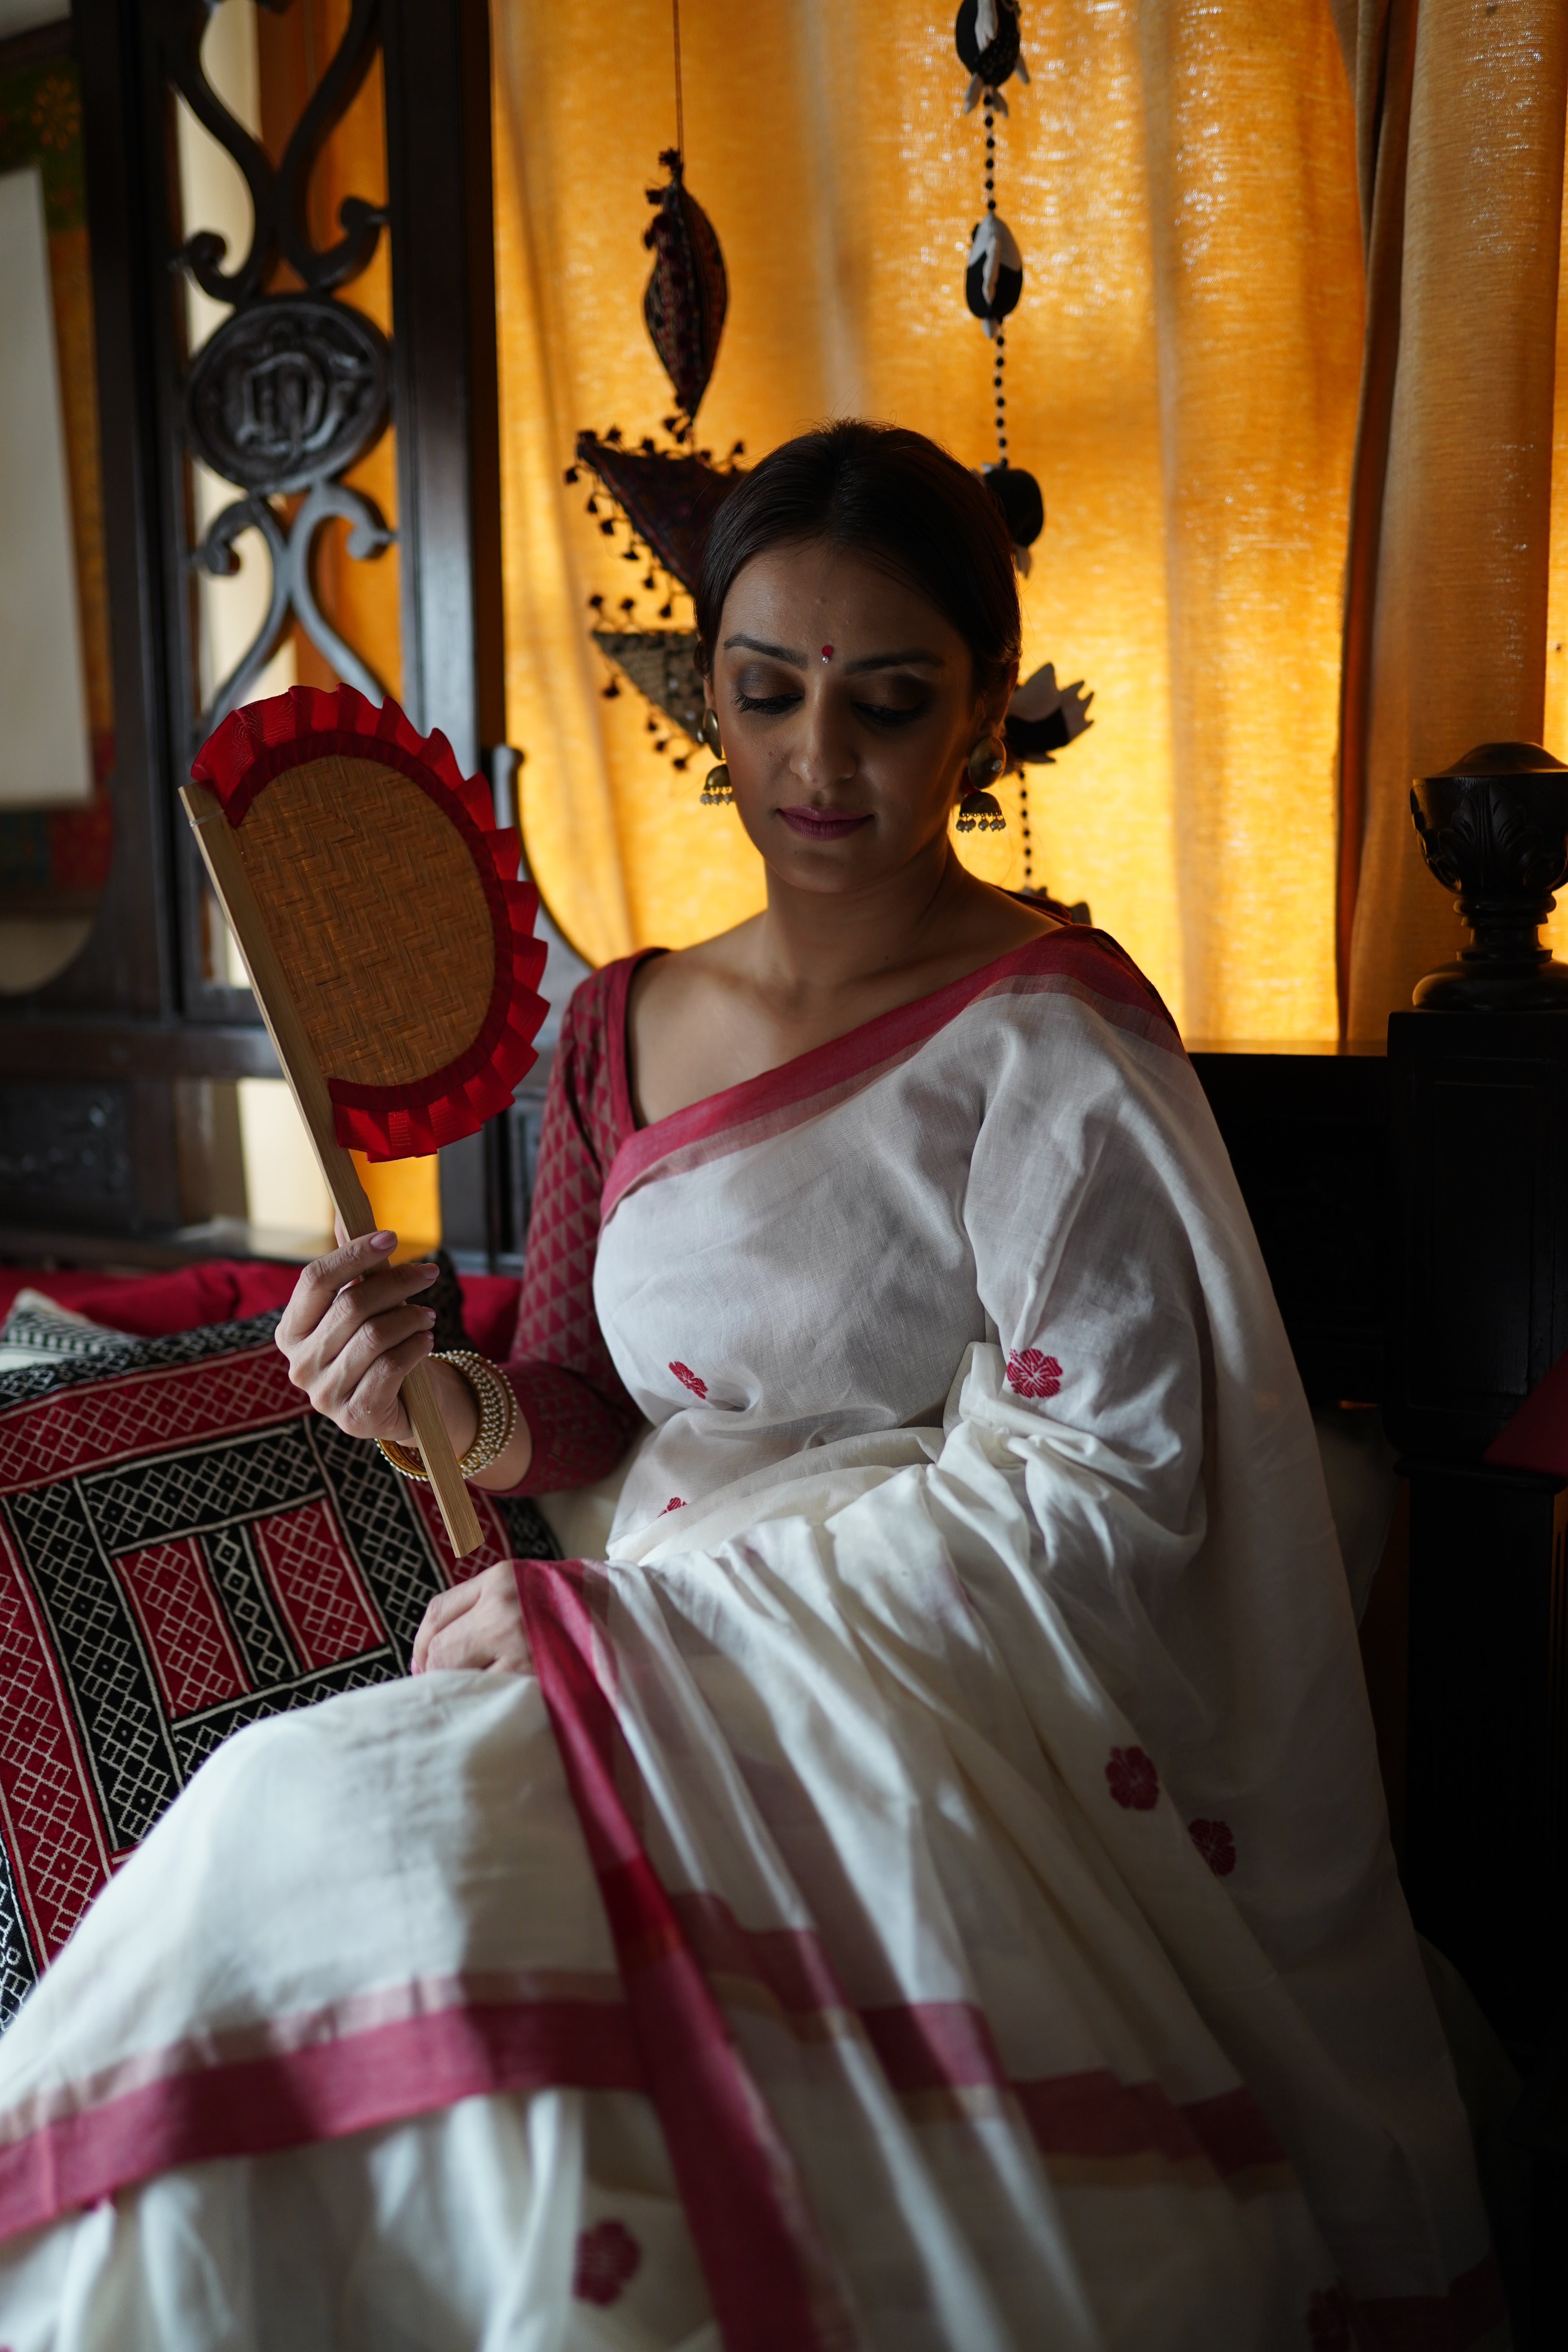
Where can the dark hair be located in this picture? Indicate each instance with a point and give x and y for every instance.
(891, 495)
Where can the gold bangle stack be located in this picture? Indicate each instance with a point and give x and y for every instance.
(498, 1417)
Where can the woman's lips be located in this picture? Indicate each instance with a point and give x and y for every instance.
(821, 825)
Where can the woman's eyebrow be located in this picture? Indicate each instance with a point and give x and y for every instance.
(915, 657)
(760, 645)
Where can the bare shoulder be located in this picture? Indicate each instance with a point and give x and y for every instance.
(706, 1017)
(1005, 922)
(668, 985)
(688, 1026)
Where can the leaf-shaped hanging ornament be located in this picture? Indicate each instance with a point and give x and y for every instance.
(687, 292)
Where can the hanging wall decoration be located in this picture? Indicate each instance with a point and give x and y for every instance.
(664, 499)
(1042, 718)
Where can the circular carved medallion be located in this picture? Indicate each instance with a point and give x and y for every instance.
(286, 392)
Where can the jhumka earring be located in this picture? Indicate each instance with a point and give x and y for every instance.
(717, 790)
(979, 807)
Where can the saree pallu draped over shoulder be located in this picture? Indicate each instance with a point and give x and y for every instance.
(952, 1806)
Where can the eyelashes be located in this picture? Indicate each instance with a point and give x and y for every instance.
(881, 714)
(892, 714)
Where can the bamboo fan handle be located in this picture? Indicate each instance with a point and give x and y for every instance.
(226, 867)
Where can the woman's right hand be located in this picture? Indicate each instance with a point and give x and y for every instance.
(353, 1331)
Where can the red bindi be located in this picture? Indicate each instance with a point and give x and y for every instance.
(828, 653)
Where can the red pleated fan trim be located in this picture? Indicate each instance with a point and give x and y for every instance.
(265, 739)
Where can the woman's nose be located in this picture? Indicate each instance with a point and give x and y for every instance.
(822, 754)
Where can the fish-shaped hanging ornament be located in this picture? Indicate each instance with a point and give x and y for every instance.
(687, 292)
(993, 272)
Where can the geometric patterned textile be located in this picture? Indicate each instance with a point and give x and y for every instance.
(38, 1331)
(184, 1548)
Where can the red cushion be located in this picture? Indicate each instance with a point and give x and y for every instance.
(226, 1289)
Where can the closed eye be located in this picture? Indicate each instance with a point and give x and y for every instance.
(771, 705)
(892, 714)
(880, 714)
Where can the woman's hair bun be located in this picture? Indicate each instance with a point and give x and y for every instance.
(894, 496)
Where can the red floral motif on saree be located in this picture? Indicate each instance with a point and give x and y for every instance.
(1033, 1374)
(684, 1373)
(1217, 1845)
(607, 2259)
(676, 1503)
(1134, 1783)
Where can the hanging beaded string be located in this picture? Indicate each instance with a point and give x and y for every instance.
(1000, 395)
(1000, 343)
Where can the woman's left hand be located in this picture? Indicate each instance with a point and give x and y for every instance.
(479, 1624)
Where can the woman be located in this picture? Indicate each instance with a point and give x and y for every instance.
(929, 1886)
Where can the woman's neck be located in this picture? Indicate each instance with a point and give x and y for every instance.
(810, 944)
(812, 967)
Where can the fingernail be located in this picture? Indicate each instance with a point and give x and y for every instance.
(383, 1241)
(426, 1315)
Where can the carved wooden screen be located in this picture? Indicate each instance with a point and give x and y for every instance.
(286, 400)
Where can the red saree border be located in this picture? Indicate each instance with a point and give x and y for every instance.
(768, 2273)
(1474, 2305)
(318, 2090)
(1087, 963)
(947, 2045)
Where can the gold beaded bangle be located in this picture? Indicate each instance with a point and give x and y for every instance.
(496, 1401)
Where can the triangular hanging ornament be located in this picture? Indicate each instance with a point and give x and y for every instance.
(669, 498)
(662, 664)
(687, 292)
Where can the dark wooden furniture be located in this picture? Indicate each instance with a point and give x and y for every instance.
(1479, 1315)
(117, 1124)
(1307, 1130)
(1413, 1212)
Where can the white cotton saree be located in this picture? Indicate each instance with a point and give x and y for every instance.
(951, 1810)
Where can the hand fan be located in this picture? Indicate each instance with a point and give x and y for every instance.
(389, 944)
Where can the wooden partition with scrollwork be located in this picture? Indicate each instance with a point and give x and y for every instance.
(115, 1074)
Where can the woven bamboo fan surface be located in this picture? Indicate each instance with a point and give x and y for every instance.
(392, 904)
(361, 871)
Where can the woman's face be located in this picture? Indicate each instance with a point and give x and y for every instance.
(847, 708)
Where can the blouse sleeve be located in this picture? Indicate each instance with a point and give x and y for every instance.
(567, 1388)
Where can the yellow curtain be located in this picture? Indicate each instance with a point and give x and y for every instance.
(1182, 373)
(1462, 106)
(360, 600)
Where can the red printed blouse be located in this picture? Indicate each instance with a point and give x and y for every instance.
(567, 1389)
